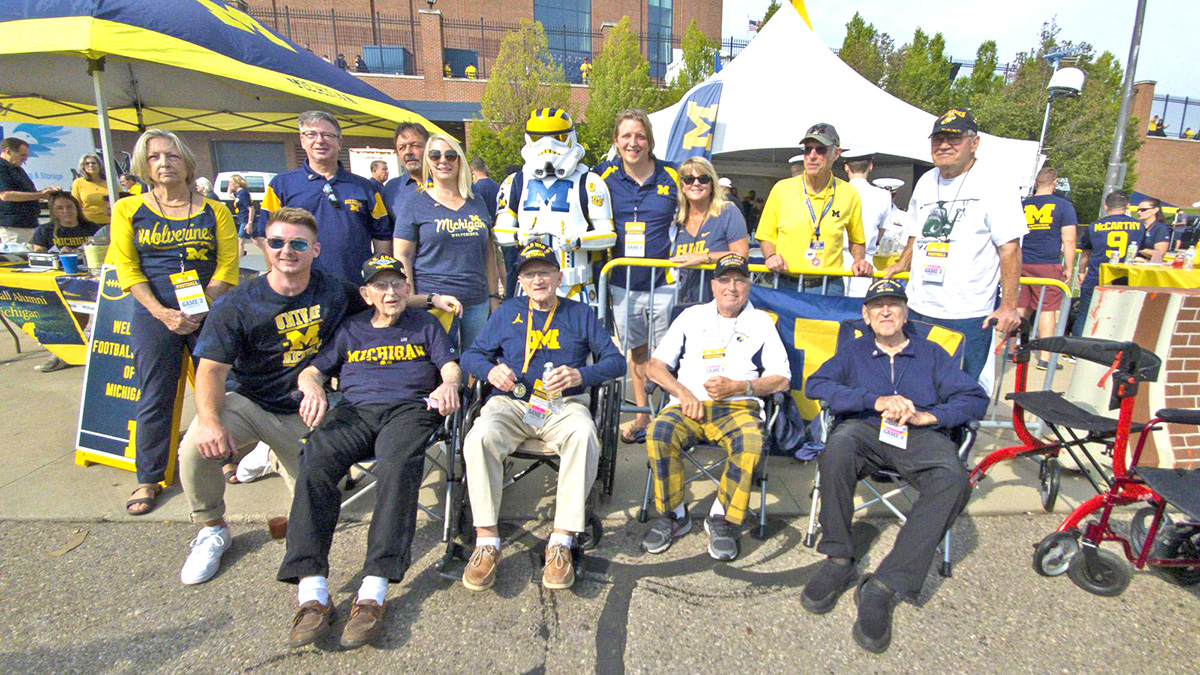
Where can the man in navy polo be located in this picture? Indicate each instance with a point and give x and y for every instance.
(349, 210)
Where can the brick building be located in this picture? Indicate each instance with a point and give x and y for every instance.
(1167, 167)
(407, 47)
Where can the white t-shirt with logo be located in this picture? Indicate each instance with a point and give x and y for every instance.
(701, 344)
(955, 270)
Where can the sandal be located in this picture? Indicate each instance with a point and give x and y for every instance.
(633, 436)
(230, 471)
(155, 490)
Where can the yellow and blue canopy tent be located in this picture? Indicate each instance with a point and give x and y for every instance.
(180, 65)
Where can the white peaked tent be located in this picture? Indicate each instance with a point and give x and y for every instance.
(786, 80)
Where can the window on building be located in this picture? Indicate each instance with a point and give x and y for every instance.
(249, 156)
(568, 25)
(659, 31)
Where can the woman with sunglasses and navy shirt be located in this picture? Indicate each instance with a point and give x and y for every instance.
(171, 229)
(708, 226)
(443, 234)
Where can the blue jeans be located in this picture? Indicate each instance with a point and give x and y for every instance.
(978, 339)
(835, 286)
(471, 324)
(1085, 302)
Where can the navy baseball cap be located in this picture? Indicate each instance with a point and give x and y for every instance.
(955, 120)
(731, 261)
(885, 288)
(536, 251)
(382, 263)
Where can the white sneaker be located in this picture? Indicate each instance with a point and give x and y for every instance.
(204, 560)
(256, 464)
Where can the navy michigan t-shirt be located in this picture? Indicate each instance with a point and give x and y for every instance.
(387, 365)
(1045, 215)
(269, 338)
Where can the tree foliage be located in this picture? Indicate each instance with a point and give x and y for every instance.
(620, 79)
(699, 55)
(866, 50)
(920, 73)
(524, 76)
(771, 9)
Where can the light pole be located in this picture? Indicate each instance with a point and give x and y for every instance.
(1118, 145)
(1064, 83)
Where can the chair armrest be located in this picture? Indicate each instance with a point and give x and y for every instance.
(1179, 416)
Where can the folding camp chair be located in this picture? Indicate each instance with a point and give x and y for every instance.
(604, 401)
(711, 469)
(886, 484)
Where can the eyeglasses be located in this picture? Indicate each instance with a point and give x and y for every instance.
(819, 149)
(323, 135)
(953, 139)
(735, 279)
(297, 245)
(329, 194)
(1146, 208)
(384, 285)
(541, 274)
(702, 179)
(437, 155)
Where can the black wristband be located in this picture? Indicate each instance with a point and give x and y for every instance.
(429, 301)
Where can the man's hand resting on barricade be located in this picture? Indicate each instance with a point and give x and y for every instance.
(563, 378)
(776, 263)
(213, 441)
(691, 406)
(445, 398)
(1007, 319)
(314, 405)
(502, 377)
(720, 387)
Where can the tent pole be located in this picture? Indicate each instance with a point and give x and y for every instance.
(95, 67)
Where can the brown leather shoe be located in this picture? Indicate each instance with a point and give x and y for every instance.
(559, 572)
(313, 620)
(481, 570)
(365, 624)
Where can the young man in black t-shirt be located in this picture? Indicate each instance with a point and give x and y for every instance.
(264, 332)
(388, 361)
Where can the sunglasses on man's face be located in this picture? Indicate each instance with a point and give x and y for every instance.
(277, 243)
(703, 180)
(819, 149)
(437, 155)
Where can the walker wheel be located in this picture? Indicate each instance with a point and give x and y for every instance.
(1183, 544)
(1104, 574)
(1139, 527)
(1048, 476)
(1054, 553)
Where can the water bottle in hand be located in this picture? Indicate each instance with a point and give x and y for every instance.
(553, 398)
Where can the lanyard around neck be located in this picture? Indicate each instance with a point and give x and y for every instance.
(531, 340)
(813, 212)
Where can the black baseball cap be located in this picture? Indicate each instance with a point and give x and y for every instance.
(382, 263)
(885, 288)
(955, 120)
(824, 134)
(536, 251)
(731, 261)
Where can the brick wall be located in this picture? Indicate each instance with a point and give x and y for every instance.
(1167, 168)
(1181, 369)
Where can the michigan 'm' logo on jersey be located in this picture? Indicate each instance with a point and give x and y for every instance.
(547, 340)
(557, 195)
(1039, 217)
(301, 331)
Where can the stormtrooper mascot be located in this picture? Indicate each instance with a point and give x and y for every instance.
(558, 201)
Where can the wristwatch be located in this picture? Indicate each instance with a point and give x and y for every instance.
(429, 301)
(749, 388)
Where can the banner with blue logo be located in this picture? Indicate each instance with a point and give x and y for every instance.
(808, 325)
(692, 131)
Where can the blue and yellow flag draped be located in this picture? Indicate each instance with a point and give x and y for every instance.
(201, 65)
(808, 325)
(692, 131)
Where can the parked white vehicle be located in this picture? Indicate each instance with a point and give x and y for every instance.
(256, 182)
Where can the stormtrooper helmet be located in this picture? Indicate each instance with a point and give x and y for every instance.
(551, 148)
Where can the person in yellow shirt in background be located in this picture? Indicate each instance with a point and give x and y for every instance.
(585, 71)
(471, 71)
(806, 218)
(91, 190)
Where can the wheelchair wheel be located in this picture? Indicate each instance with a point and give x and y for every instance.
(590, 539)
(1107, 575)
(1139, 527)
(1183, 543)
(1054, 553)
(1048, 478)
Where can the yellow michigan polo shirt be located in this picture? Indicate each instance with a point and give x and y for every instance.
(787, 222)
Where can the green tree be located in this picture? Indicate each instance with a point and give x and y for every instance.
(524, 76)
(920, 73)
(771, 9)
(983, 80)
(620, 79)
(699, 54)
(866, 49)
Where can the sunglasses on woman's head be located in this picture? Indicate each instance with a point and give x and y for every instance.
(437, 155)
(703, 179)
(278, 243)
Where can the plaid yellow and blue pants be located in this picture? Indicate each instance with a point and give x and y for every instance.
(733, 426)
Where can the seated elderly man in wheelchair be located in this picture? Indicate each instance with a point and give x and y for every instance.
(896, 397)
(728, 355)
(388, 361)
(534, 354)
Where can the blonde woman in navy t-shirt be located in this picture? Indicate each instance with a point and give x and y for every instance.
(443, 234)
(169, 229)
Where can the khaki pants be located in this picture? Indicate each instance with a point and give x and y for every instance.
(247, 423)
(570, 434)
